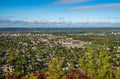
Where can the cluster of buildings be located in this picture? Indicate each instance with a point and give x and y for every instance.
(53, 40)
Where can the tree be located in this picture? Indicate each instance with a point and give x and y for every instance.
(55, 70)
(96, 63)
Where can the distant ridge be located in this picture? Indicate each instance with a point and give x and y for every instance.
(67, 30)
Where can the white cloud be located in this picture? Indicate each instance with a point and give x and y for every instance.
(51, 23)
(117, 18)
(60, 2)
(100, 6)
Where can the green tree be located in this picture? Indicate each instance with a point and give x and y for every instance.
(55, 70)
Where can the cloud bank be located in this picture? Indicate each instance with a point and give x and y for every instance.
(5, 23)
(100, 6)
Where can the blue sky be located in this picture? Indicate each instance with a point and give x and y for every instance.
(52, 11)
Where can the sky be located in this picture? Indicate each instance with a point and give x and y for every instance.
(56, 13)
